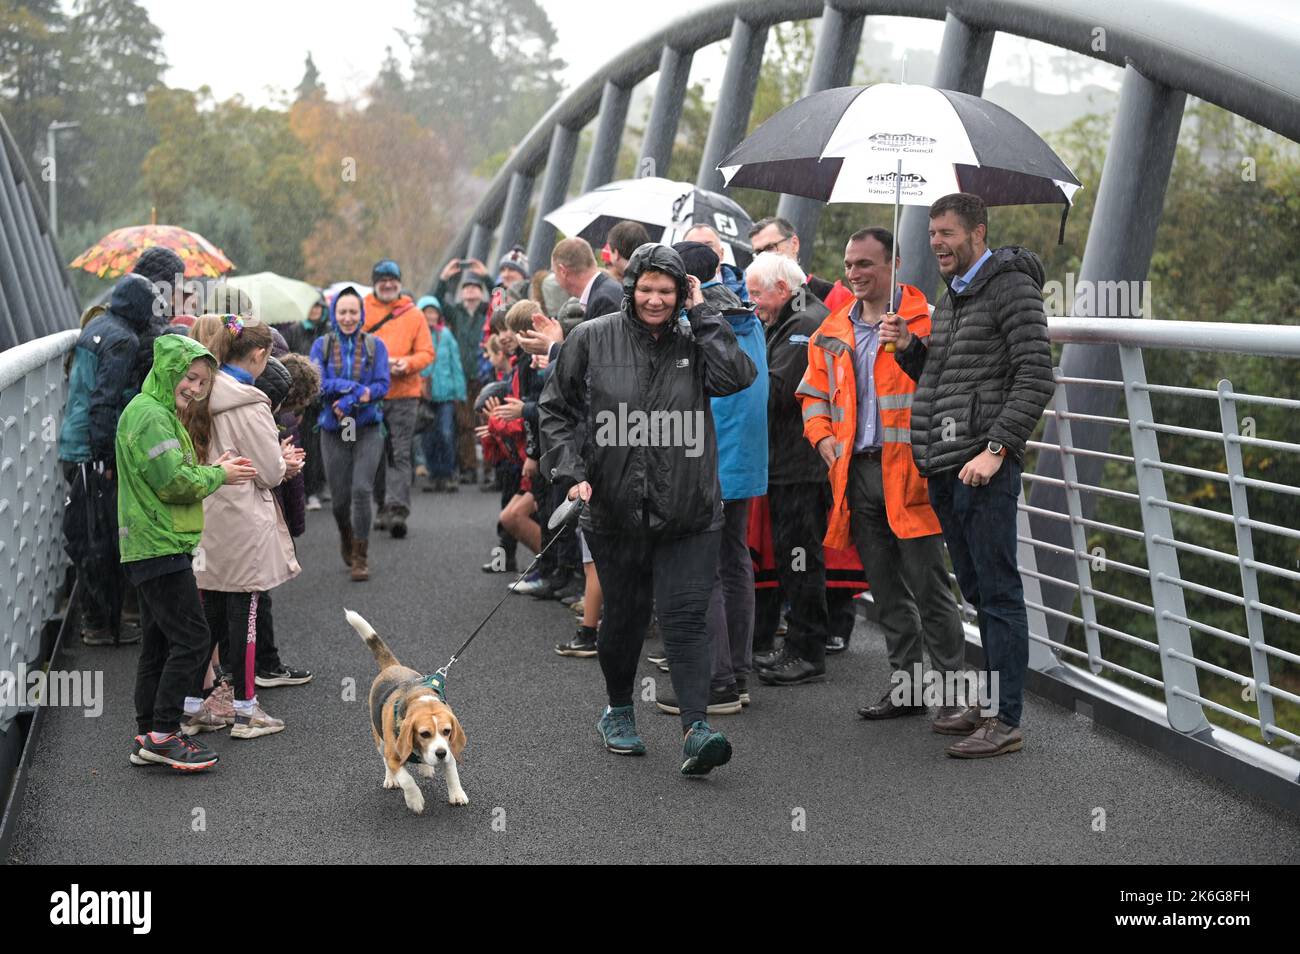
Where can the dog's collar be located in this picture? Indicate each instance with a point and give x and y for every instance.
(435, 683)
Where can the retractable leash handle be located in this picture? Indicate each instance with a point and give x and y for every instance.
(565, 514)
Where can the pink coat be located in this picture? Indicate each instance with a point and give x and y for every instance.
(246, 546)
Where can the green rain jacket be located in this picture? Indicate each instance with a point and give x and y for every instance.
(160, 488)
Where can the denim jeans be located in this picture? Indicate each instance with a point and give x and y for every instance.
(439, 441)
(979, 526)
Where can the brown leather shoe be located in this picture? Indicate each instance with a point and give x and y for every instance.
(993, 737)
(956, 720)
(360, 571)
(345, 544)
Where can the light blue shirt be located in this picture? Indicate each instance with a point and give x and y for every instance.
(866, 344)
(959, 285)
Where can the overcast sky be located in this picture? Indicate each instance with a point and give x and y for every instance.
(256, 47)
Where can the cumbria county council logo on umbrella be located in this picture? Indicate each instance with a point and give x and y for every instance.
(908, 142)
(883, 182)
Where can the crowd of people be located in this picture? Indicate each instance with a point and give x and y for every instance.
(753, 448)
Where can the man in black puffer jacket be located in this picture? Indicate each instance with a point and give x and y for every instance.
(625, 417)
(983, 379)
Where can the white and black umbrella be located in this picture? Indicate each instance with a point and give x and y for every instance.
(668, 209)
(870, 144)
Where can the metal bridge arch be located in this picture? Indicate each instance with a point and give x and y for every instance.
(1238, 58)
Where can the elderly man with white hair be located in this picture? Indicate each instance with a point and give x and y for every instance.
(797, 491)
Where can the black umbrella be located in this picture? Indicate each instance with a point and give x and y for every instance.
(903, 144)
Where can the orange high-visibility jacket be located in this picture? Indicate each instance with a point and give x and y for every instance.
(829, 395)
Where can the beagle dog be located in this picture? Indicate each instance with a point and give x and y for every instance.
(411, 723)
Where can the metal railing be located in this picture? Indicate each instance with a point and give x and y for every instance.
(33, 391)
(1166, 648)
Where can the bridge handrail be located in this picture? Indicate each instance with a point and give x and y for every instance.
(33, 392)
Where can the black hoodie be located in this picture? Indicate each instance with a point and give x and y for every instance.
(986, 372)
(655, 474)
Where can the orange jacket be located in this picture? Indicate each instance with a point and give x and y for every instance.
(829, 395)
(405, 336)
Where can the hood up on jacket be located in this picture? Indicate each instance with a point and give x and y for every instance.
(133, 300)
(172, 357)
(653, 257)
(334, 321)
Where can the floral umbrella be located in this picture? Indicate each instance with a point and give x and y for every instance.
(116, 253)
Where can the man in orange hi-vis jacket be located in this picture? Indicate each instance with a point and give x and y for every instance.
(857, 413)
(391, 315)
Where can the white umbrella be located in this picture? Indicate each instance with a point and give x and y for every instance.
(667, 208)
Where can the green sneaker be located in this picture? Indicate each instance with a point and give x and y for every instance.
(618, 728)
(704, 750)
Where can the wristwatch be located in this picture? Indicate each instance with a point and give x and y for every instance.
(996, 449)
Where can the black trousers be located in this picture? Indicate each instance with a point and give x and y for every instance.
(798, 528)
(233, 620)
(674, 575)
(268, 655)
(174, 651)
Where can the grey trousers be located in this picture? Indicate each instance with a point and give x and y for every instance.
(350, 470)
(731, 605)
(908, 578)
(393, 483)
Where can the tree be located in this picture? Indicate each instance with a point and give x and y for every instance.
(239, 170)
(483, 71)
(32, 52)
(114, 59)
(310, 85)
(388, 188)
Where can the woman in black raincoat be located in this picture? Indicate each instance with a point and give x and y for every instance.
(625, 419)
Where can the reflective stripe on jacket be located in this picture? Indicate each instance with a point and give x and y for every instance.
(829, 395)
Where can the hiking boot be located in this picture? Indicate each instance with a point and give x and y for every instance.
(254, 723)
(721, 702)
(992, 737)
(360, 569)
(618, 729)
(397, 523)
(769, 659)
(704, 750)
(345, 544)
(186, 755)
(282, 676)
(953, 720)
(582, 645)
(794, 671)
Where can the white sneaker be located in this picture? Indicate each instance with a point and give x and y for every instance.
(255, 723)
(313, 502)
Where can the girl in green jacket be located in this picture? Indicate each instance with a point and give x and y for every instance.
(160, 516)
